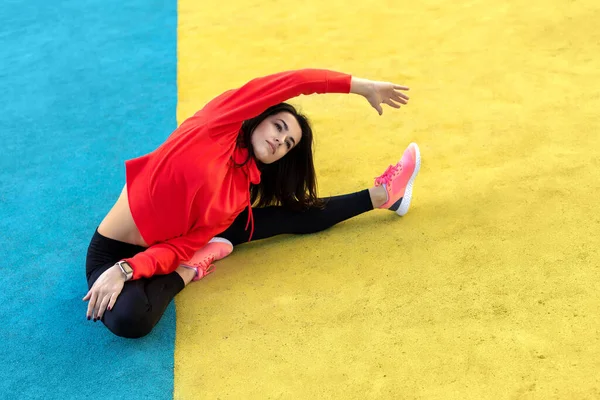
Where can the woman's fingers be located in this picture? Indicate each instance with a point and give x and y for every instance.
(399, 87)
(102, 306)
(91, 304)
(378, 108)
(113, 299)
(391, 103)
(400, 94)
(399, 99)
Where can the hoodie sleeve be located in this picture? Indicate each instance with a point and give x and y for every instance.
(248, 101)
(164, 257)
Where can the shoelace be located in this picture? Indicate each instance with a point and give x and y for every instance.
(387, 176)
(204, 267)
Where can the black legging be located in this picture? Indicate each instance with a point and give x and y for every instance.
(142, 302)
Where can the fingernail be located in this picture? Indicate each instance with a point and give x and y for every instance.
(89, 318)
(94, 319)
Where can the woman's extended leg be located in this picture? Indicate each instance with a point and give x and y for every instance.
(277, 220)
(142, 302)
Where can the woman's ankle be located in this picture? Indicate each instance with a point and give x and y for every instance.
(186, 274)
(378, 196)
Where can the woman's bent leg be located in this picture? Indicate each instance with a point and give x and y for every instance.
(142, 302)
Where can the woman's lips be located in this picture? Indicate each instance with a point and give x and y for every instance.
(272, 147)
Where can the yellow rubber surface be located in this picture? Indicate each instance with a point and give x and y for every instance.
(489, 287)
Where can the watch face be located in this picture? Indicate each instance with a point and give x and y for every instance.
(127, 268)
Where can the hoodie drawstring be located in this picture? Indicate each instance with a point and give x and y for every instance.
(240, 158)
(250, 215)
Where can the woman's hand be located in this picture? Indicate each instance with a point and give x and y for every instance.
(104, 292)
(378, 93)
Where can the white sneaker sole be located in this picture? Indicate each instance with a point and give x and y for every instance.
(217, 239)
(405, 204)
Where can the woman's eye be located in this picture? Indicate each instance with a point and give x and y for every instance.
(278, 127)
(288, 144)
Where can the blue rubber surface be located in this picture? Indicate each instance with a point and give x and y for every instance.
(85, 85)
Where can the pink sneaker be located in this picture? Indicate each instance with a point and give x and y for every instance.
(202, 261)
(398, 180)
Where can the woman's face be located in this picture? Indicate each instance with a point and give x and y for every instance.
(275, 136)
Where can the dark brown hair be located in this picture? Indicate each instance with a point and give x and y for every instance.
(290, 181)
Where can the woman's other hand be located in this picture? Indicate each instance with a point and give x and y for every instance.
(104, 292)
(378, 93)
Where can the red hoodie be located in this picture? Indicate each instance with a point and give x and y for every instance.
(187, 191)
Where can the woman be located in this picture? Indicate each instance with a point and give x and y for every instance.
(245, 146)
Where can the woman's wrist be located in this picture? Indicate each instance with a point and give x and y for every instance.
(360, 86)
(118, 271)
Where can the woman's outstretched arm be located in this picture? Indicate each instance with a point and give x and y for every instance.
(248, 101)
(237, 105)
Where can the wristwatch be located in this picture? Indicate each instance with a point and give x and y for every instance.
(125, 269)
